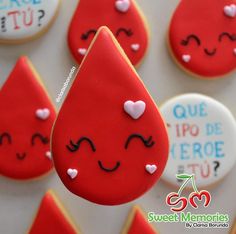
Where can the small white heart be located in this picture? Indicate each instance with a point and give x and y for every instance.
(72, 173)
(135, 47)
(135, 109)
(151, 168)
(186, 58)
(234, 51)
(48, 155)
(43, 113)
(122, 5)
(82, 51)
(230, 10)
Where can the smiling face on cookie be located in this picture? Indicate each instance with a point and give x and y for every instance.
(123, 19)
(202, 36)
(25, 124)
(109, 141)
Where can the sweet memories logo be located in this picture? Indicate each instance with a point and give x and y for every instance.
(178, 203)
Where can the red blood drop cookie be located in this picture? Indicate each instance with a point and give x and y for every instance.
(52, 218)
(202, 36)
(123, 18)
(26, 119)
(109, 142)
(137, 223)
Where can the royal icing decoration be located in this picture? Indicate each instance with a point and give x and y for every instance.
(230, 10)
(103, 142)
(24, 137)
(151, 168)
(135, 47)
(186, 58)
(135, 109)
(72, 173)
(202, 36)
(137, 223)
(52, 217)
(43, 113)
(122, 5)
(202, 132)
(122, 17)
(48, 155)
(21, 20)
(82, 51)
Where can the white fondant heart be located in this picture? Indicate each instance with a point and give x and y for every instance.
(122, 5)
(43, 113)
(135, 47)
(186, 58)
(82, 51)
(48, 155)
(234, 51)
(230, 10)
(151, 168)
(135, 109)
(72, 173)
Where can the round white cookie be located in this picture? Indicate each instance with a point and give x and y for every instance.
(25, 19)
(202, 135)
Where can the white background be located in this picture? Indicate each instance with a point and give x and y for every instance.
(50, 55)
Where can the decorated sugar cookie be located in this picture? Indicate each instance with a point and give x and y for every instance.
(109, 142)
(202, 37)
(21, 20)
(137, 223)
(52, 218)
(122, 17)
(202, 134)
(233, 229)
(26, 119)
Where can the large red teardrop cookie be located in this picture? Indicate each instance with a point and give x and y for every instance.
(122, 17)
(202, 37)
(26, 119)
(109, 141)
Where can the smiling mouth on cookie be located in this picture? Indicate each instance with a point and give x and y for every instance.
(109, 169)
(210, 52)
(20, 156)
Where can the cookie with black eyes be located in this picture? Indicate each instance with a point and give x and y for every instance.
(26, 119)
(202, 37)
(109, 142)
(122, 17)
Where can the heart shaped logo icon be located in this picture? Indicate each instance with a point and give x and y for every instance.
(122, 5)
(151, 169)
(200, 196)
(43, 113)
(82, 51)
(72, 173)
(230, 10)
(135, 109)
(135, 47)
(186, 58)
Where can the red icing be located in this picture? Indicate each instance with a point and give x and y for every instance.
(205, 19)
(94, 109)
(50, 218)
(92, 14)
(20, 97)
(139, 224)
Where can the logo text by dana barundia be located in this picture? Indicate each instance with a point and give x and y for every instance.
(216, 220)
